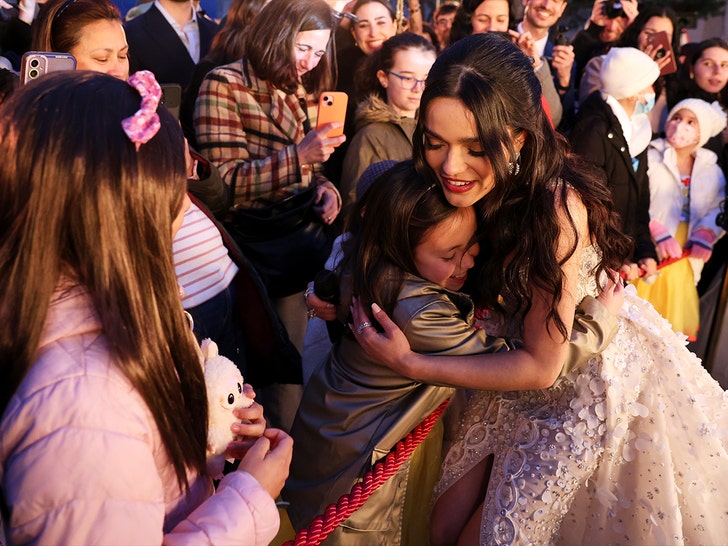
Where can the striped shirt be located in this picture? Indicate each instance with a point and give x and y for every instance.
(201, 261)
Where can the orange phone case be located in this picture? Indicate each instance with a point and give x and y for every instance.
(332, 107)
(663, 46)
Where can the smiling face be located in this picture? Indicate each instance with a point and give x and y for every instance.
(543, 14)
(374, 27)
(309, 49)
(102, 47)
(445, 253)
(711, 70)
(403, 93)
(491, 16)
(454, 152)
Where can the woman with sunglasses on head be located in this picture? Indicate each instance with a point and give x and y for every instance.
(104, 412)
(385, 121)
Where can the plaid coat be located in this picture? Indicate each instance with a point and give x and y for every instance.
(249, 130)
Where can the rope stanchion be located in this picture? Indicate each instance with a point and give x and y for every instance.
(323, 525)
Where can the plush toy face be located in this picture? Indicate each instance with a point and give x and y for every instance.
(224, 384)
(231, 391)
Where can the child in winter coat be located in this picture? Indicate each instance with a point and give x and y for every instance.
(686, 187)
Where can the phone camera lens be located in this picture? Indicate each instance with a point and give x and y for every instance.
(612, 9)
(34, 63)
(33, 73)
(330, 102)
(660, 53)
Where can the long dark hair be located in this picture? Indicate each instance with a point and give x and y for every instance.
(387, 224)
(270, 48)
(84, 204)
(518, 218)
(59, 23)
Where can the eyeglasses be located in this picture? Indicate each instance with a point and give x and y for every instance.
(408, 82)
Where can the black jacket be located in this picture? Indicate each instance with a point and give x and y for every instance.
(155, 46)
(598, 137)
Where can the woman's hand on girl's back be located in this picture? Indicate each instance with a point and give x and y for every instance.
(390, 348)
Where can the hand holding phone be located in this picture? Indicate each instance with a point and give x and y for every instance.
(36, 63)
(660, 49)
(332, 108)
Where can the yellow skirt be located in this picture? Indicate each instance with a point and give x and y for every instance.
(674, 293)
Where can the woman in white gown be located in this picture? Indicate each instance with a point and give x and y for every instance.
(628, 449)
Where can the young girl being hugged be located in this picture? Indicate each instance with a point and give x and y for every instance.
(394, 78)
(414, 259)
(686, 186)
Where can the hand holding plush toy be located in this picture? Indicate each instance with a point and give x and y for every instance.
(224, 384)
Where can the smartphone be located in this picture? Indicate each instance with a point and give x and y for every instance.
(332, 107)
(36, 63)
(663, 47)
(172, 97)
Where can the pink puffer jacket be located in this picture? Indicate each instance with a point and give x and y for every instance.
(83, 462)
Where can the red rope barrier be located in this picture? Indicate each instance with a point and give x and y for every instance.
(322, 526)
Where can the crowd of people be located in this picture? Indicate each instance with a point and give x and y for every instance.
(522, 225)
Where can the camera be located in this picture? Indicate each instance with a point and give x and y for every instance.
(612, 9)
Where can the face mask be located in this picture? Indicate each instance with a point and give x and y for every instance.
(681, 135)
(643, 108)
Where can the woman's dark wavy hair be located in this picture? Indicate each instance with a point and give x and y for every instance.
(518, 218)
(87, 206)
(387, 224)
(462, 24)
(270, 48)
(383, 59)
(59, 24)
(686, 87)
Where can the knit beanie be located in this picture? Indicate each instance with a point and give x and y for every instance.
(711, 117)
(626, 71)
(370, 174)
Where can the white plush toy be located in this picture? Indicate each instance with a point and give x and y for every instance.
(224, 384)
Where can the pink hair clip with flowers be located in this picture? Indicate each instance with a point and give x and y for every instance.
(144, 124)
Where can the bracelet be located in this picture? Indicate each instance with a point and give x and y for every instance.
(306, 294)
(560, 87)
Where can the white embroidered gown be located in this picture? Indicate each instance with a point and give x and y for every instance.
(630, 448)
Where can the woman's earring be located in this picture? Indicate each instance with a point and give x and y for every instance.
(514, 167)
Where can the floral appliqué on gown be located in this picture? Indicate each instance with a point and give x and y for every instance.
(629, 448)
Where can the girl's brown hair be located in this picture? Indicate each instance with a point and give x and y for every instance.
(78, 201)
